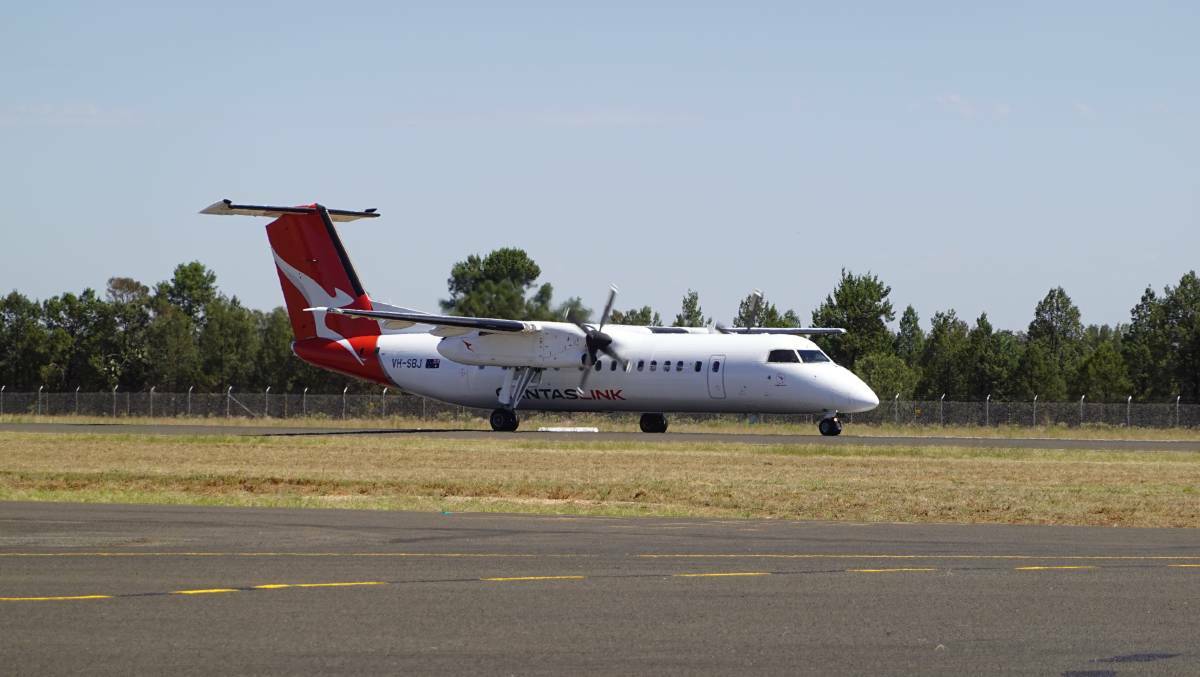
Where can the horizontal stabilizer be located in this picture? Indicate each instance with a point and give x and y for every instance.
(227, 208)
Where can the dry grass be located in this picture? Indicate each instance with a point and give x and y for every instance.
(530, 421)
(652, 478)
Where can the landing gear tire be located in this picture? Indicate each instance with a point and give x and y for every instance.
(504, 420)
(654, 423)
(830, 427)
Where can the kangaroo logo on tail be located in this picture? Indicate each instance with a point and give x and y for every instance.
(315, 295)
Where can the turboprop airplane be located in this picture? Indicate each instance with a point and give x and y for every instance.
(510, 365)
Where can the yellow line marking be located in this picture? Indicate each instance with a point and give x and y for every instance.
(208, 591)
(484, 555)
(1048, 568)
(1066, 558)
(53, 599)
(1184, 566)
(535, 578)
(337, 585)
(272, 586)
(293, 554)
(887, 571)
(735, 573)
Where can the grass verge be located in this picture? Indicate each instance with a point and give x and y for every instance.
(909, 484)
(629, 423)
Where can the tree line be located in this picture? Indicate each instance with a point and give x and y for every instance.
(184, 332)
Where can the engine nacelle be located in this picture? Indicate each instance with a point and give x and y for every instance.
(551, 345)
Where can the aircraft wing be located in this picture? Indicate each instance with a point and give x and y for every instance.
(793, 331)
(447, 325)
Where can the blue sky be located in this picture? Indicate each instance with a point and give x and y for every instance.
(972, 157)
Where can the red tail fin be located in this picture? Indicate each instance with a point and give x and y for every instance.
(314, 270)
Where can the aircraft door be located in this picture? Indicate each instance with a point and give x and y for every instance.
(716, 377)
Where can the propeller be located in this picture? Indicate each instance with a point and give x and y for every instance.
(596, 341)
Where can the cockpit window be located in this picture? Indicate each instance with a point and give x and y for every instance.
(814, 356)
(783, 356)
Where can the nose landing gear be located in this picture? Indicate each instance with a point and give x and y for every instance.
(654, 423)
(830, 426)
(504, 420)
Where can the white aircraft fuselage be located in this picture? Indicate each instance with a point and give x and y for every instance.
(686, 372)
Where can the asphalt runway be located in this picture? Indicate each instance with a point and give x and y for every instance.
(112, 589)
(742, 438)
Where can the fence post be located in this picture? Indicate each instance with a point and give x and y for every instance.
(267, 402)
(941, 405)
(1177, 410)
(39, 403)
(1081, 399)
(304, 402)
(228, 398)
(896, 408)
(987, 411)
(3, 387)
(114, 401)
(76, 400)
(423, 410)
(383, 402)
(1035, 411)
(189, 405)
(344, 402)
(1128, 405)
(151, 401)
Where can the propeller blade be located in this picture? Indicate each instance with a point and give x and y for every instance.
(607, 350)
(612, 296)
(758, 298)
(584, 379)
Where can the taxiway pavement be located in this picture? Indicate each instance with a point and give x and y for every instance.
(113, 589)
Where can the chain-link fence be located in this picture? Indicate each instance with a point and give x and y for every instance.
(390, 403)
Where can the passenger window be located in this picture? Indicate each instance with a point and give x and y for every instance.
(782, 356)
(666, 365)
(641, 364)
(814, 356)
(614, 366)
(599, 365)
(653, 365)
(716, 366)
(697, 366)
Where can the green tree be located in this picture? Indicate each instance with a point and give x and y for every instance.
(23, 342)
(573, 310)
(887, 375)
(229, 344)
(191, 288)
(1038, 374)
(496, 286)
(691, 314)
(129, 304)
(860, 305)
(910, 339)
(944, 358)
(768, 315)
(83, 343)
(174, 357)
(1181, 305)
(1147, 349)
(1102, 374)
(1057, 326)
(987, 364)
(638, 317)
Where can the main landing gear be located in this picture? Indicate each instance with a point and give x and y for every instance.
(654, 423)
(830, 426)
(504, 420)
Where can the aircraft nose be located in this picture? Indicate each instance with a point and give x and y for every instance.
(857, 396)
